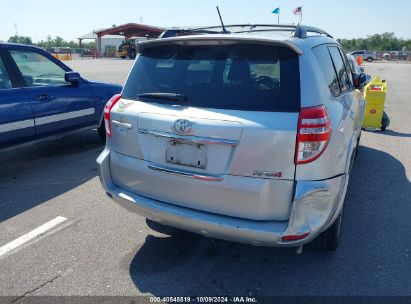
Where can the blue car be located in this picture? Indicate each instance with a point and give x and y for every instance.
(40, 96)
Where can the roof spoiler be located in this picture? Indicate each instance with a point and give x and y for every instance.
(216, 39)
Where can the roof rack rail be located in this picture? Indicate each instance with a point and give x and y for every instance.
(172, 32)
(279, 26)
(298, 31)
(219, 26)
(301, 31)
(248, 26)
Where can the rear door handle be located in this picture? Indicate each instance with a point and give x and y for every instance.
(44, 97)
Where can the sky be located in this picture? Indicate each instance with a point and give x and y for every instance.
(73, 18)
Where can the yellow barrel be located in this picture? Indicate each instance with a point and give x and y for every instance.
(375, 93)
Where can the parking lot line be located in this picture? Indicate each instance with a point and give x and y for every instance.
(31, 235)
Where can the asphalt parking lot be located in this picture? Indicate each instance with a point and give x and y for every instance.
(107, 70)
(102, 249)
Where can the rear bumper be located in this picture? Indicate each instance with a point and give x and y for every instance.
(314, 209)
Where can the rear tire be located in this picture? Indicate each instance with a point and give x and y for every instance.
(330, 238)
(385, 121)
(102, 132)
(123, 57)
(370, 59)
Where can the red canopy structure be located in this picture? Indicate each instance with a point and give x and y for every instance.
(130, 30)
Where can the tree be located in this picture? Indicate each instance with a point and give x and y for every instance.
(20, 39)
(59, 42)
(377, 42)
(51, 42)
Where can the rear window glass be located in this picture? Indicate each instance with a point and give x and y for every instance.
(237, 76)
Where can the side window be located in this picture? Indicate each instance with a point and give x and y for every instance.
(347, 67)
(352, 66)
(340, 68)
(38, 70)
(5, 82)
(324, 59)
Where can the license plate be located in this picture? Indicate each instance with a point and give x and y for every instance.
(186, 154)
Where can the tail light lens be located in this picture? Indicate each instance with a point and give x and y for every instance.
(107, 109)
(314, 133)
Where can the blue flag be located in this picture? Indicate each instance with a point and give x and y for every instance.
(276, 11)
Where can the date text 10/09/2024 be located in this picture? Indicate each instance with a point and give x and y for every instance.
(203, 299)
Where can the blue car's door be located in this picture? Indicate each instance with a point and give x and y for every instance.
(58, 106)
(16, 114)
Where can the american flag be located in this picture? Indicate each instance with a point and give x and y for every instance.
(297, 11)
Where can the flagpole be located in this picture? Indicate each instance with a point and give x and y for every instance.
(301, 16)
(279, 12)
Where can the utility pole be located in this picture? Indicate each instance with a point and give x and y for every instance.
(15, 29)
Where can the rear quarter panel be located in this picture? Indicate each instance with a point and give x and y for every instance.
(315, 92)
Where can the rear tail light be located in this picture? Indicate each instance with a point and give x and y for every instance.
(107, 109)
(314, 133)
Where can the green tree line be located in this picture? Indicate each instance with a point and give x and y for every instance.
(377, 42)
(50, 42)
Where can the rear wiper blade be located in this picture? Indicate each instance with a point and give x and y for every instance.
(166, 96)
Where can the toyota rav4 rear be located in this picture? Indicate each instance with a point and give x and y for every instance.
(229, 136)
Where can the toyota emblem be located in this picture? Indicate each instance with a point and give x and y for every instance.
(182, 126)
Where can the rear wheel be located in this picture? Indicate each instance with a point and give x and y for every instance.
(370, 59)
(330, 238)
(123, 57)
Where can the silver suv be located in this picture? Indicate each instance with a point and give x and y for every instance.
(366, 55)
(246, 136)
